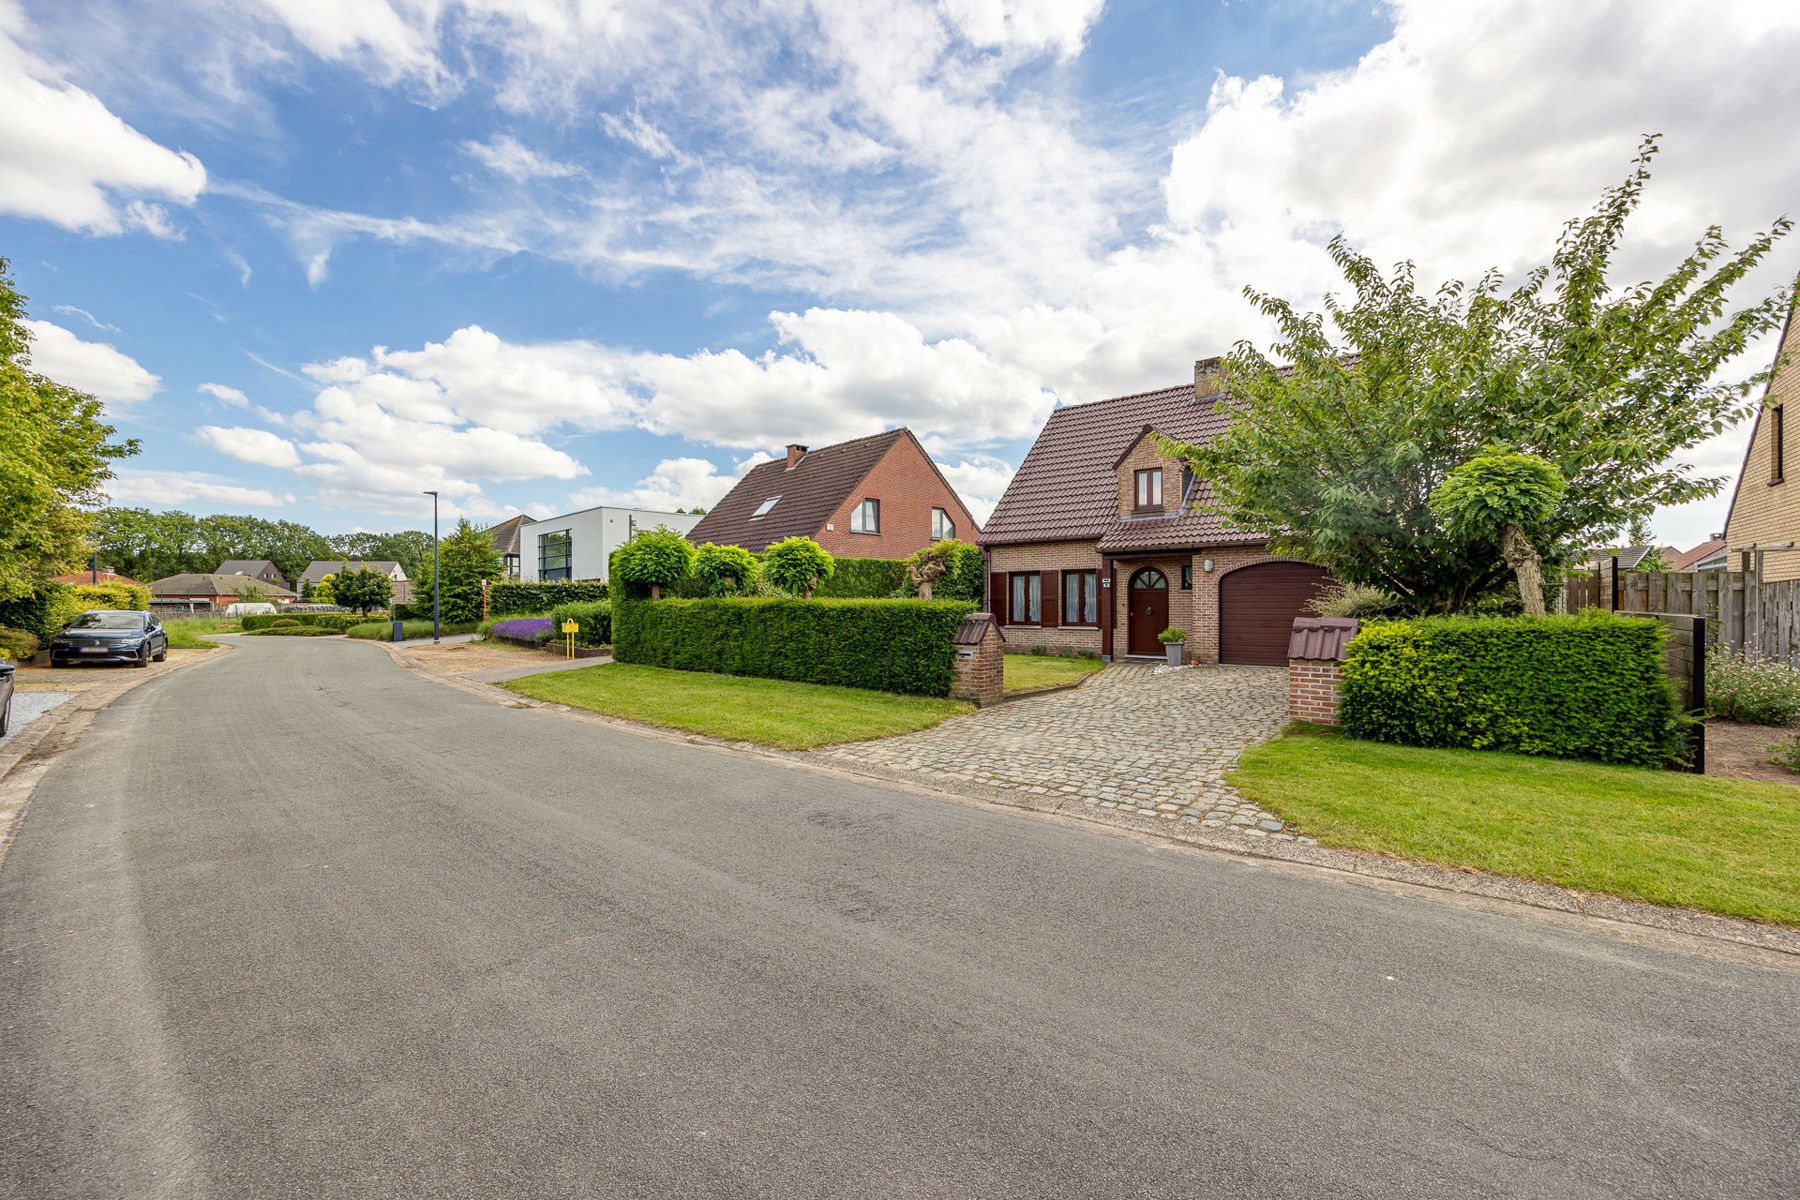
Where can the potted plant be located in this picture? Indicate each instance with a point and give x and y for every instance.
(1172, 640)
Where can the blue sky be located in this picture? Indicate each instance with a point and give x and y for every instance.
(538, 254)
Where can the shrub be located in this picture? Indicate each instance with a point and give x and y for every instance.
(653, 559)
(381, 631)
(335, 622)
(886, 645)
(1363, 601)
(512, 599)
(1589, 686)
(961, 578)
(527, 631)
(797, 565)
(17, 644)
(594, 617)
(1786, 754)
(363, 589)
(863, 579)
(48, 611)
(283, 623)
(724, 570)
(1172, 636)
(110, 595)
(294, 631)
(1749, 690)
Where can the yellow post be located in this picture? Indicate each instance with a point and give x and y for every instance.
(570, 628)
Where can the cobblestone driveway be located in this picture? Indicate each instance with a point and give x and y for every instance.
(1130, 739)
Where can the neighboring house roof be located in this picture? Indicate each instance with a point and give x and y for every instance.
(88, 577)
(214, 585)
(506, 534)
(246, 566)
(1691, 559)
(318, 570)
(1629, 557)
(811, 490)
(1067, 487)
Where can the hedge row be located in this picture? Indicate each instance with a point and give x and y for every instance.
(863, 578)
(335, 622)
(48, 611)
(885, 645)
(1589, 686)
(295, 631)
(381, 631)
(510, 599)
(593, 617)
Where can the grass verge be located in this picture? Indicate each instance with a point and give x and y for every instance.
(770, 712)
(1027, 671)
(1723, 845)
(381, 631)
(185, 633)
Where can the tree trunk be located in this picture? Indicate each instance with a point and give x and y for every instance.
(925, 589)
(1528, 566)
(656, 591)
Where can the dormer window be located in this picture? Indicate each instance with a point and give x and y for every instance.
(1149, 488)
(763, 509)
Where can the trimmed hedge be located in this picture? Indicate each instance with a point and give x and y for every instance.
(594, 617)
(381, 631)
(513, 599)
(885, 645)
(1589, 686)
(48, 611)
(294, 631)
(17, 644)
(863, 578)
(335, 622)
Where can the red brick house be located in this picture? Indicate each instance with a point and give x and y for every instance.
(874, 497)
(1097, 543)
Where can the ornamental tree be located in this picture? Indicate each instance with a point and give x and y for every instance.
(654, 558)
(948, 569)
(724, 569)
(797, 565)
(325, 591)
(1336, 458)
(1504, 499)
(363, 589)
(468, 558)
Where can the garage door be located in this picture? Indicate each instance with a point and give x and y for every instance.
(1257, 607)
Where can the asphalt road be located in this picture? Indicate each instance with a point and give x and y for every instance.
(297, 922)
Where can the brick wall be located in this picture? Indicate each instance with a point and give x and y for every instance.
(978, 674)
(908, 487)
(1762, 511)
(1203, 642)
(1142, 457)
(1313, 690)
(1046, 557)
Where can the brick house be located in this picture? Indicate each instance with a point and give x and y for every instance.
(874, 497)
(318, 569)
(256, 568)
(192, 591)
(1098, 544)
(1765, 507)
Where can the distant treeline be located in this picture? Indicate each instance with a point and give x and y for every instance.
(149, 545)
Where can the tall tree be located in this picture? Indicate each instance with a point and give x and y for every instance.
(1336, 457)
(362, 589)
(468, 557)
(56, 454)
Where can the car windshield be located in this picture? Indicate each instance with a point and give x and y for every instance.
(108, 620)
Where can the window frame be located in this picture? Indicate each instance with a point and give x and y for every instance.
(871, 504)
(1025, 598)
(1147, 488)
(567, 568)
(1777, 450)
(765, 508)
(1187, 577)
(942, 525)
(1088, 596)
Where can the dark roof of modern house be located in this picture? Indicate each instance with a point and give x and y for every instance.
(246, 566)
(1067, 487)
(213, 584)
(315, 571)
(810, 491)
(506, 534)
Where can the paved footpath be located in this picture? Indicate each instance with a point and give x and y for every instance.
(1132, 738)
(304, 923)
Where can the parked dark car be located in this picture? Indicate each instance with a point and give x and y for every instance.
(111, 635)
(6, 691)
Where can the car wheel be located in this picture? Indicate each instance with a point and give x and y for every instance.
(6, 717)
(143, 658)
(163, 654)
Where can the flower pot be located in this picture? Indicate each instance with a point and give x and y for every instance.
(1174, 649)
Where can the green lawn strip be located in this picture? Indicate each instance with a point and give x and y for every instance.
(1027, 671)
(185, 632)
(1723, 845)
(381, 630)
(771, 712)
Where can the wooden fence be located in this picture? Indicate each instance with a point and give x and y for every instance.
(1743, 612)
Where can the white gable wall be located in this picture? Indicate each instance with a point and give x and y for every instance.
(594, 534)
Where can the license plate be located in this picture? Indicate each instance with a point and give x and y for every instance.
(95, 650)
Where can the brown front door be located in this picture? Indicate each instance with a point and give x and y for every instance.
(1257, 607)
(1149, 616)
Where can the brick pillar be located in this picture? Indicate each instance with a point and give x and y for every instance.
(979, 672)
(1316, 650)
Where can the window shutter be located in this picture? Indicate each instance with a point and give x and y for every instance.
(998, 595)
(1051, 585)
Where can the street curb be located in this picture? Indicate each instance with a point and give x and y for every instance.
(1463, 882)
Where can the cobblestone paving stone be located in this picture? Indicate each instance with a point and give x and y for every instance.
(1131, 739)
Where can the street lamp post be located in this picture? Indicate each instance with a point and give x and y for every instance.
(436, 583)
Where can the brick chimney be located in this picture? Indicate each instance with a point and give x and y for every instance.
(796, 452)
(1209, 377)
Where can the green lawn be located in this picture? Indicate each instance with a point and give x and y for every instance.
(1027, 671)
(772, 712)
(1725, 845)
(184, 632)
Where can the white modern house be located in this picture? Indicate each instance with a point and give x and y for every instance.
(579, 545)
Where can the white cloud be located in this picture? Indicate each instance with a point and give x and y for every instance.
(94, 367)
(230, 397)
(980, 479)
(65, 158)
(506, 155)
(152, 489)
(1055, 25)
(84, 314)
(674, 483)
(257, 446)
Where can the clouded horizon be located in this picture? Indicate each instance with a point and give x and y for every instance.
(536, 254)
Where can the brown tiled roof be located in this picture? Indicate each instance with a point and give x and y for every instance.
(1705, 550)
(1066, 488)
(506, 534)
(811, 490)
(88, 577)
(214, 585)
